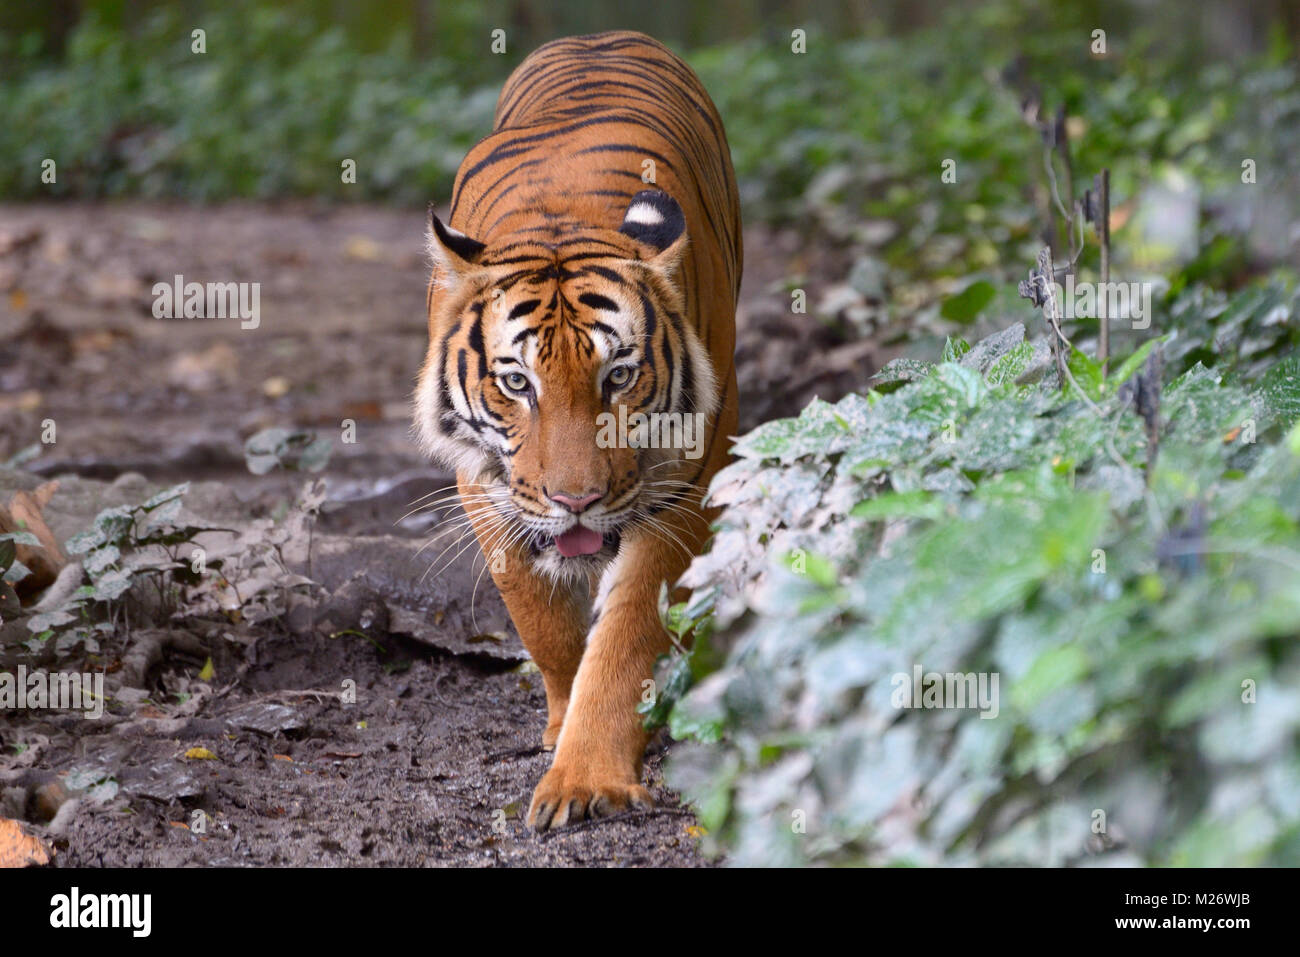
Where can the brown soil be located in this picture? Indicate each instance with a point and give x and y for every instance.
(435, 762)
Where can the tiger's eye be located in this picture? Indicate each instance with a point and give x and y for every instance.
(619, 375)
(516, 381)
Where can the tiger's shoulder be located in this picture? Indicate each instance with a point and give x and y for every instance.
(585, 123)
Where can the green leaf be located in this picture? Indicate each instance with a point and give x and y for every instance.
(112, 585)
(316, 455)
(100, 559)
(110, 526)
(166, 495)
(675, 684)
(966, 305)
(1086, 372)
(1280, 390)
(290, 448)
(1134, 362)
(21, 538)
(914, 504)
(902, 370)
(685, 725)
(954, 349)
(163, 514)
(966, 384)
(1010, 365)
(52, 619)
(83, 542)
(817, 569)
(1055, 669)
(15, 573)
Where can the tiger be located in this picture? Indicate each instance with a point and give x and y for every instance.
(588, 274)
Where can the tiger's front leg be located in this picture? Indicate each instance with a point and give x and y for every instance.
(550, 618)
(597, 766)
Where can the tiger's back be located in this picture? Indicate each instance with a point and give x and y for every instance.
(578, 125)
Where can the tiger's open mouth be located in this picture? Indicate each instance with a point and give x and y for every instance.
(578, 541)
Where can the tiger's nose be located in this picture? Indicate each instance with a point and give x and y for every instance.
(575, 504)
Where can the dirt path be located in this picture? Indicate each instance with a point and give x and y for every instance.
(434, 763)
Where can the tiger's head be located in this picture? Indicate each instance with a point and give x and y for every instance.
(564, 377)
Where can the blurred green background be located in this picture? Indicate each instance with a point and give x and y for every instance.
(284, 90)
(841, 142)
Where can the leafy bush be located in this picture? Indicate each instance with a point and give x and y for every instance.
(273, 108)
(1140, 619)
(850, 137)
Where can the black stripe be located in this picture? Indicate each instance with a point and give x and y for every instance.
(690, 399)
(476, 343)
(597, 301)
(523, 309)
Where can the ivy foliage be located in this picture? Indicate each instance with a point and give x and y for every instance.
(1137, 607)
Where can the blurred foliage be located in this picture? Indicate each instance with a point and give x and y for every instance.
(847, 144)
(271, 109)
(971, 524)
(285, 91)
(848, 137)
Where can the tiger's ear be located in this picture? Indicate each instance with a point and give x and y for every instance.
(654, 218)
(454, 254)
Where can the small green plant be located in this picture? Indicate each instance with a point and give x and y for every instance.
(150, 562)
(99, 787)
(298, 449)
(690, 625)
(13, 571)
(125, 545)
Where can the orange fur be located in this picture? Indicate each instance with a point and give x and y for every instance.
(563, 275)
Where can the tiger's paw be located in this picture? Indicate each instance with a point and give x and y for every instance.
(568, 795)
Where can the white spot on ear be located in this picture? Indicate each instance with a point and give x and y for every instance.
(643, 213)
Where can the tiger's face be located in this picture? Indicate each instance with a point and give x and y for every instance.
(562, 378)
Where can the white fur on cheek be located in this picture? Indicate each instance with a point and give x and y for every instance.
(455, 453)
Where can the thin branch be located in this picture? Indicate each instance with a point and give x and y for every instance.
(1042, 291)
(1061, 140)
(1101, 222)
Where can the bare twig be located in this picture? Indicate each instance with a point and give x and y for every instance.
(1040, 289)
(288, 694)
(1101, 222)
(1073, 220)
(1061, 141)
(1055, 196)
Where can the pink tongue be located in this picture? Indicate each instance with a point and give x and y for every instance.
(578, 541)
